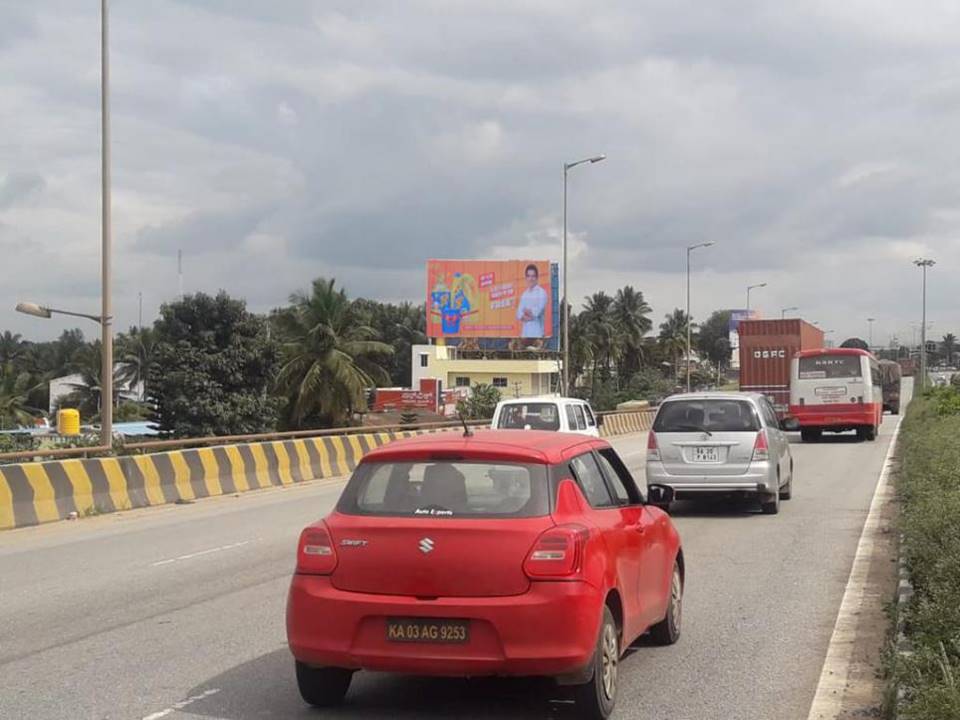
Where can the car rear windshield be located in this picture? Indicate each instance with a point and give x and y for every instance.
(447, 489)
(710, 415)
(533, 416)
(826, 367)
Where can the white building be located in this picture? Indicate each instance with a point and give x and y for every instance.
(65, 385)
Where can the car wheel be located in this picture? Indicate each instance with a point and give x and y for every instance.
(786, 492)
(667, 631)
(324, 686)
(770, 504)
(596, 698)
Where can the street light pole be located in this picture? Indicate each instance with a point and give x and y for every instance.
(749, 288)
(923, 264)
(566, 288)
(870, 322)
(106, 313)
(690, 249)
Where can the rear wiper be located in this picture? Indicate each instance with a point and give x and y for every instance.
(695, 427)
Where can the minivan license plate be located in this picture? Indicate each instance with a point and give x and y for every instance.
(427, 630)
(706, 454)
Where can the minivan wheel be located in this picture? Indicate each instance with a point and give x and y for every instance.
(596, 698)
(323, 686)
(786, 492)
(770, 504)
(667, 631)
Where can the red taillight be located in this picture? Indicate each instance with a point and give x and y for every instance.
(761, 450)
(557, 554)
(653, 449)
(315, 553)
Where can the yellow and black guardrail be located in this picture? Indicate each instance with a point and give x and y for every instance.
(38, 492)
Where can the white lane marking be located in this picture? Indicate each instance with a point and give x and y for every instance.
(199, 553)
(182, 704)
(831, 688)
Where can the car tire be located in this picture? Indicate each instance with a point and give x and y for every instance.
(596, 699)
(770, 504)
(667, 631)
(786, 492)
(323, 686)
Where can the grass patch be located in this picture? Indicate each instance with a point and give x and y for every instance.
(929, 488)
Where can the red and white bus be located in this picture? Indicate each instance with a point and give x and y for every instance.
(836, 390)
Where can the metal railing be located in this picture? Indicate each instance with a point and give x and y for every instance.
(122, 448)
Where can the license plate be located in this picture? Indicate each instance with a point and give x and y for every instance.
(706, 454)
(428, 630)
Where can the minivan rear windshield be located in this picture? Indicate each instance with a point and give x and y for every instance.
(533, 415)
(447, 489)
(709, 415)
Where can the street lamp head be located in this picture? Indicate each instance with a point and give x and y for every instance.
(39, 311)
(598, 158)
(924, 262)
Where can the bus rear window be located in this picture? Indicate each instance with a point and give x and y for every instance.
(827, 367)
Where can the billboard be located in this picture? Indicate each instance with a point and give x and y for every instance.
(492, 299)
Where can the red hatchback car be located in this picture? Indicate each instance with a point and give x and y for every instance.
(506, 552)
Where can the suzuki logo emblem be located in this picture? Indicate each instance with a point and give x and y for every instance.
(426, 545)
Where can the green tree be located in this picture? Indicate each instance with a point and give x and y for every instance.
(215, 362)
(713, 338)
(15, 387)
(630, 312)
(949, 347)
(855, 342)
(481, 404)
(330, 357)
(673, 336)
(136, 352)
(400, 326)
(601, 333)
(13, 349)
(87, 362)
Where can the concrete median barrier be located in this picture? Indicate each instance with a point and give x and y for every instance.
(41, 492)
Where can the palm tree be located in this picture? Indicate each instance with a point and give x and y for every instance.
(15, 389)
(673, 336)
(949, 347)
(601, 332)
(330, 356)
(87, 363)
(137, 355)
(12, 348)
(630, 312)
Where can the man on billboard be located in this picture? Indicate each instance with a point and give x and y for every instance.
(532, 305)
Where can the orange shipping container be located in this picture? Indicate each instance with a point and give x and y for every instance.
(766, 349)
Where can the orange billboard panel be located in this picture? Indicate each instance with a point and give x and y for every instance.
(490, 299)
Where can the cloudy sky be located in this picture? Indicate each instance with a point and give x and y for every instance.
(817, 143)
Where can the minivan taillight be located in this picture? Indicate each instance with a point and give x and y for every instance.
(653, 449)
(315, 553)
(761, 449)
(557, 554)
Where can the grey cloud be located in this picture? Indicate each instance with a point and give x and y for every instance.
(17, 186)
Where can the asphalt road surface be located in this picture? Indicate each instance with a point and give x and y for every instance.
(178, 612)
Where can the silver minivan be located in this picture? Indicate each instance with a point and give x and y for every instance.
(721, 443)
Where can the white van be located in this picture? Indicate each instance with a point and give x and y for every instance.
(547, 413)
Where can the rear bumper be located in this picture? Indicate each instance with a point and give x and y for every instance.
(760, 478)
(549, 630)
(846, 416)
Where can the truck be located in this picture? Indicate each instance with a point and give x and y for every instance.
(890, 376)
(766, 349)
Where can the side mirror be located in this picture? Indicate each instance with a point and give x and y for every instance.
(790, 424)
(659, 494)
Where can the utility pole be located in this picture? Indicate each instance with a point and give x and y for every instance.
(923, 264)
(106, 313)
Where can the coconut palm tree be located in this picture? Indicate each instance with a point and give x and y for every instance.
(949, 347)
(12, 348)
(330, 356)
(602, 333)
(673, 336)
(15, 389)
(137, 356)
(630, 312)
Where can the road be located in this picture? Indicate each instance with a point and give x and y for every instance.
(177, 612)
